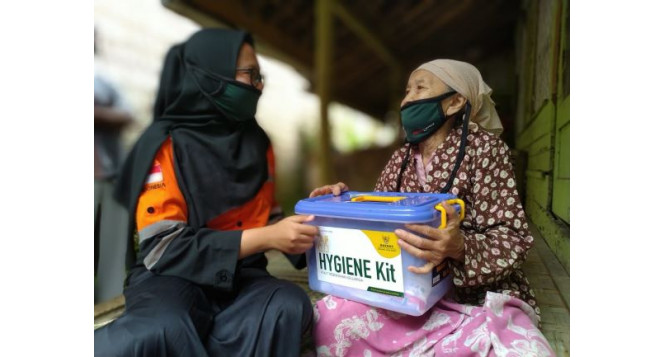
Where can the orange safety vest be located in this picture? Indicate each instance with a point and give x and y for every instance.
(162, 199)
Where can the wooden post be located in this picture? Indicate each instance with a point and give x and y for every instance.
(323, 63)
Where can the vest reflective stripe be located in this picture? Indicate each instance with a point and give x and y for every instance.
(157, 228)
(156, 253)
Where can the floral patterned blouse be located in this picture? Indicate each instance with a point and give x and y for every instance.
(495, 228)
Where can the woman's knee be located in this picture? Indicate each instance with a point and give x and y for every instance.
(132, 336)
(292, 304)
(161, 333)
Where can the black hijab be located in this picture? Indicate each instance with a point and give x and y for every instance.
(220, 162)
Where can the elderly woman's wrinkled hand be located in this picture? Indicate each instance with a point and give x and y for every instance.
(335, 189)
(433, 244)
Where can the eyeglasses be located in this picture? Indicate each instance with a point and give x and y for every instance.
(256, 76)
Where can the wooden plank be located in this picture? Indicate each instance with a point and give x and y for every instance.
(561, 183)
(531, 43)
(560, 206)
(522, 74)
(232, 12)
(107, 311)
(562, 114)
(562, 166)
(560, 203)
(556, 273)
(373, 41)
(554, 232)
(365, 34)
(546, 56)
(538, 188)
(519, 162)
(543, 124)
(550, 283)
(540, 155)
(439, 19)
(108, 306)
(557, 7)
(564, 59)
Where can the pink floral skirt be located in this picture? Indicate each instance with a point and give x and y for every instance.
(503, 326)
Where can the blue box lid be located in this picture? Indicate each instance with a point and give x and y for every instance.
(376, 206)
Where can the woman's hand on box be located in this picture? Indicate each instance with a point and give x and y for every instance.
(335, 189)
(433, 244)
(291, 235)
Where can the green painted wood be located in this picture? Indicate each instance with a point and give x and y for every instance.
(537, 188)
(560, 206)
(563, 161)
(560, 202)
(542, 125)
(554, 232)
(561, 183)
(543, 118)
(540, 155)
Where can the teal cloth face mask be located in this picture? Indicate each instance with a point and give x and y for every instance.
(237, 100)
(421, 118)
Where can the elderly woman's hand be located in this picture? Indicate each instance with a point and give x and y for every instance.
(441, 243)
(335, 189)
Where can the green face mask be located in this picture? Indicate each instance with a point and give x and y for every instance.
(237, 100)
(421, 118)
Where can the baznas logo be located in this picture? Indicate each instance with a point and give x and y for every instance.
(322, 244)
(386, 239)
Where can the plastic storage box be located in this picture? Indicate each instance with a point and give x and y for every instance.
(356, 255)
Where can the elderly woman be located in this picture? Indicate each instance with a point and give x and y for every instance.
(453, 145)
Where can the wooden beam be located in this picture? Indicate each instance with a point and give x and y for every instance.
(374, 42)
(203, 19)
(231, 13)
(366, 35)
(323, 67)
(434, 20)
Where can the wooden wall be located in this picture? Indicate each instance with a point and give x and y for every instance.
(542, 125)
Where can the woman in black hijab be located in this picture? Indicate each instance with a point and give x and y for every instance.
(200, 181)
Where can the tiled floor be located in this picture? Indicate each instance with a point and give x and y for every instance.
(547, 277)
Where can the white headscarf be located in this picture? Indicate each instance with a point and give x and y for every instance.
(466, 80)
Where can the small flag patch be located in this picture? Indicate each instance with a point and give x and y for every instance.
(155, 174)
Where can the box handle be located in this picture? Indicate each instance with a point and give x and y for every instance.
(443, 213)
(370, 198)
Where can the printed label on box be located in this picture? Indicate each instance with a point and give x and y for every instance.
(360, 259)
(439, 272)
